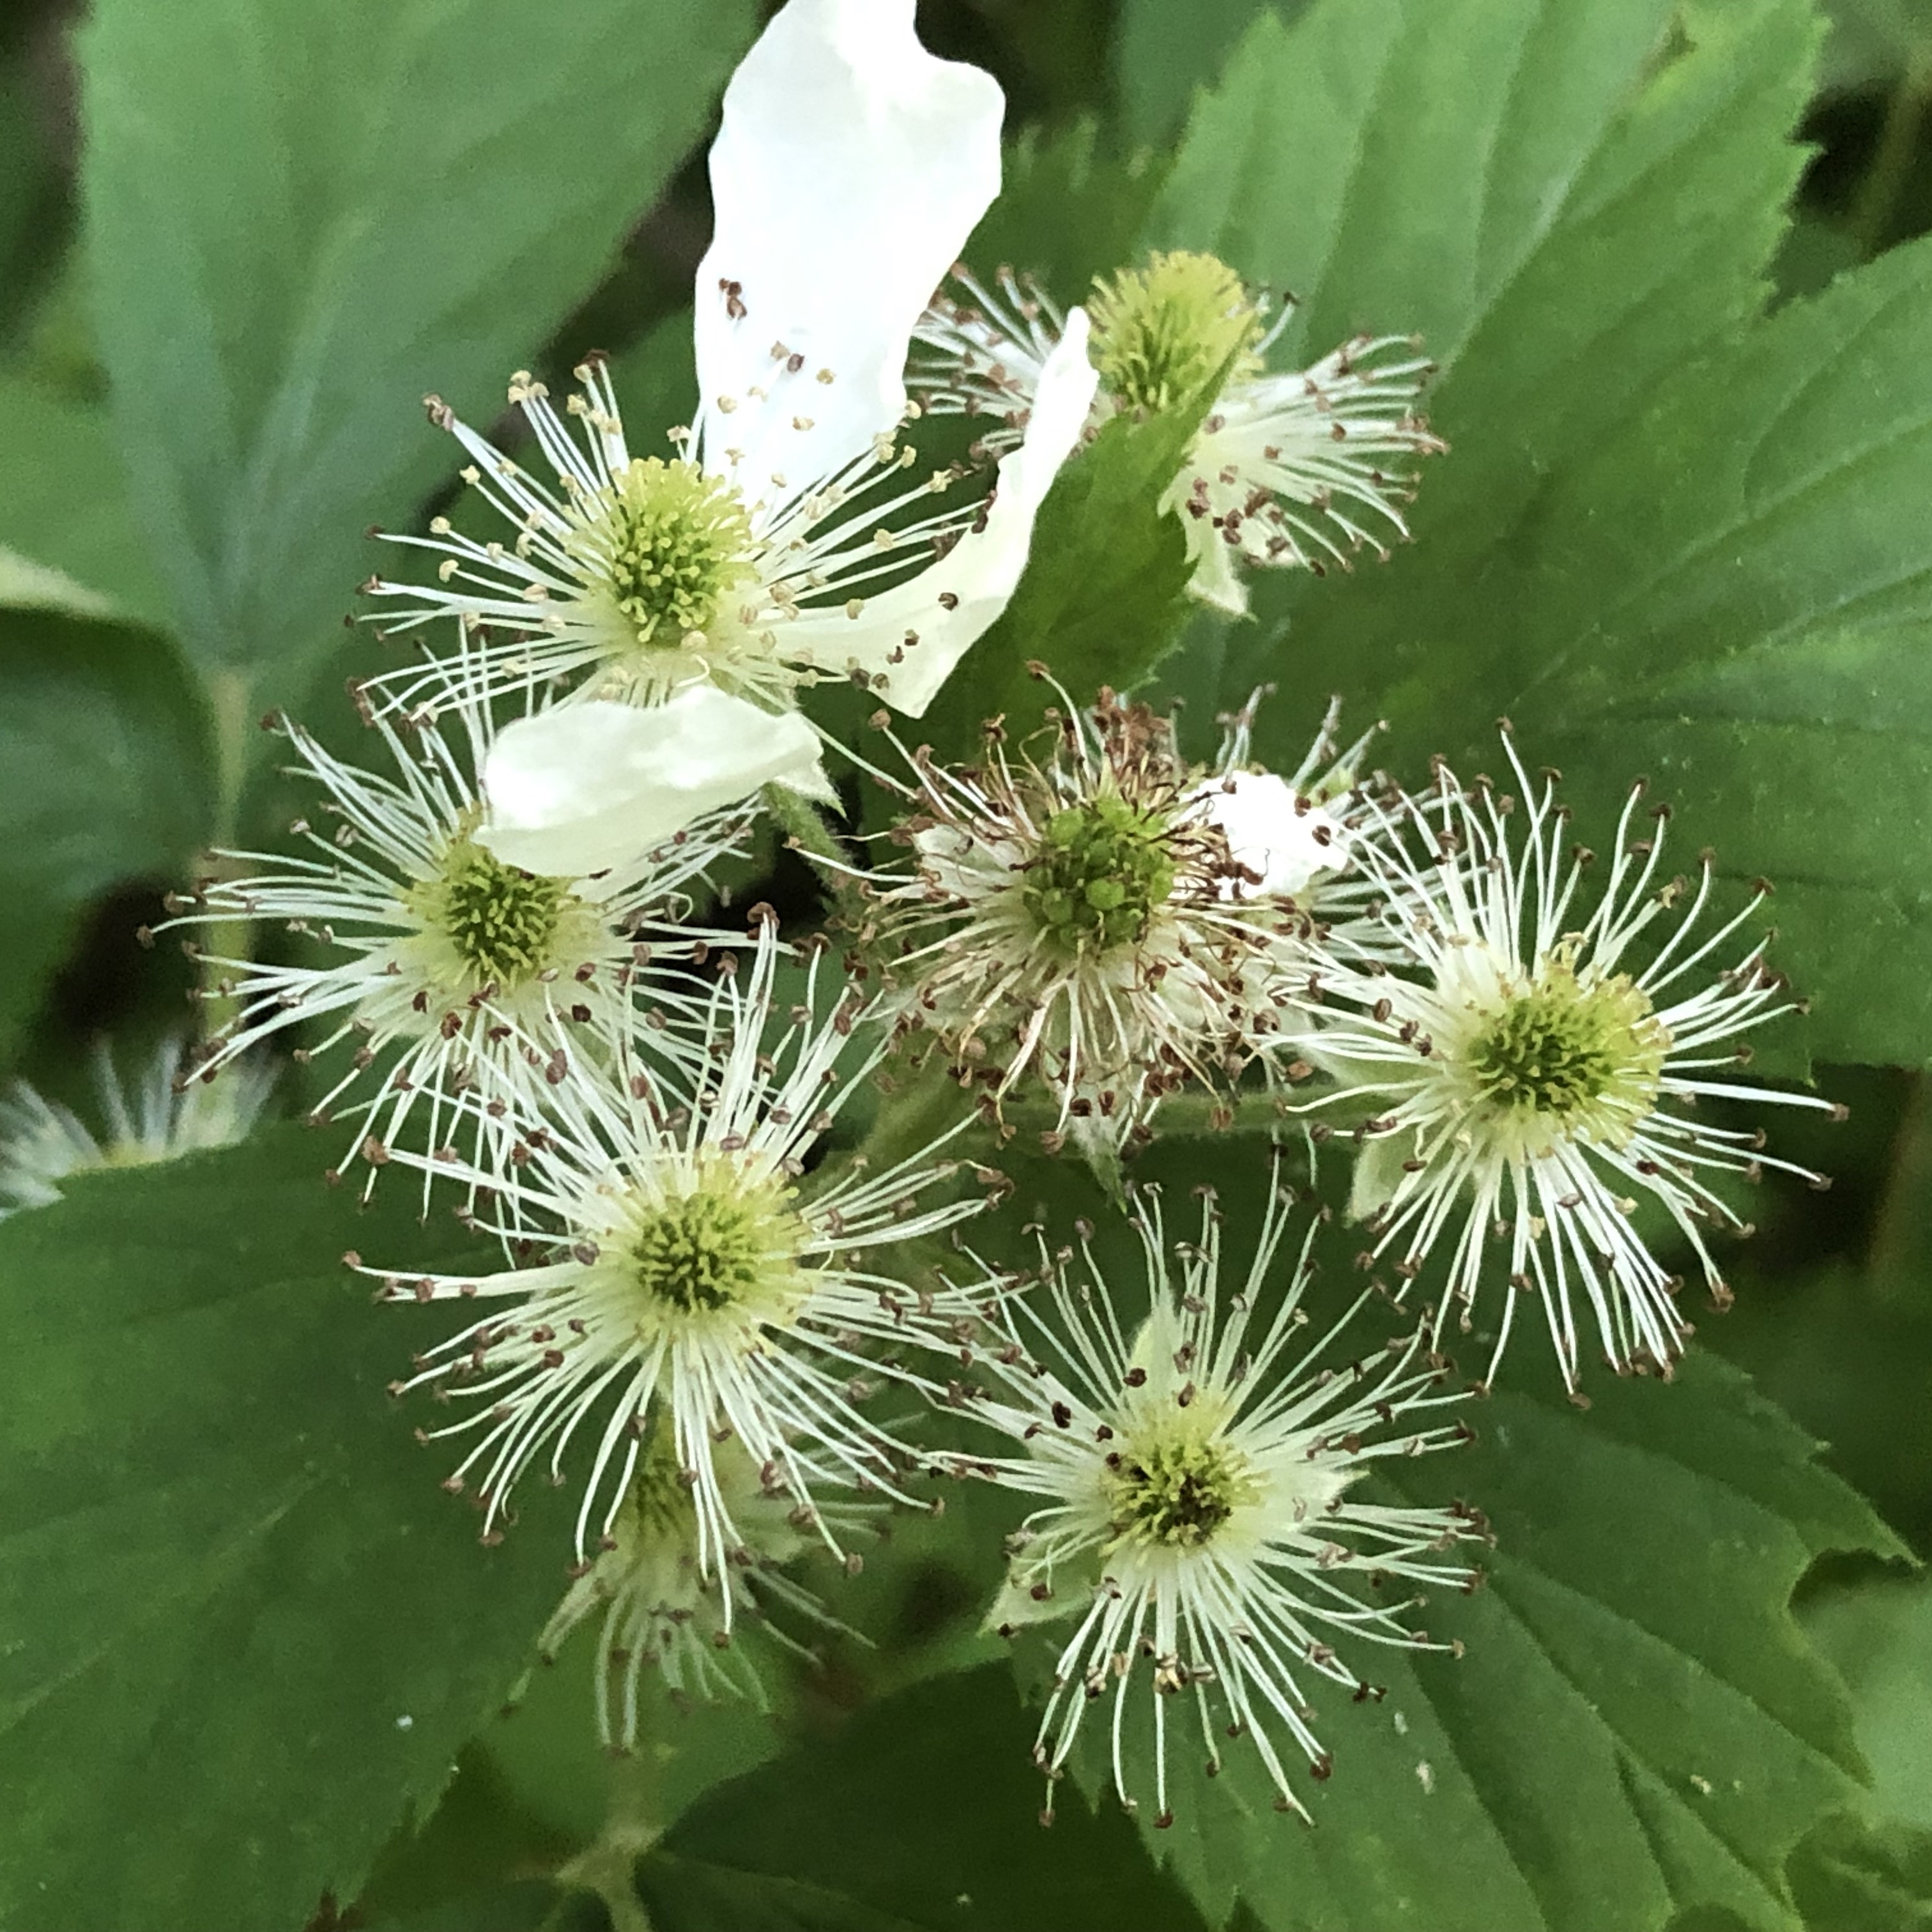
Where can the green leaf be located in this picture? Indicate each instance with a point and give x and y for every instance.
(64, 500)
(1398, 162)
(245, 1627)
(1851, 1876)
(918, 1817)
(1880, 1636)
(1707, 566)
(1163, 53)
(405, 197)
(1104, 592)
(104, 779)
(1069, 209)
(1637, 1726)
(1741, 605)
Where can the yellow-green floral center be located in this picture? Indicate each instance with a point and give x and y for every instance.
(705, 1251)
(1102, 869)
(501, 923)
(1161, 332)
(1563, 1047)
(1175, 1491)
(669, 544)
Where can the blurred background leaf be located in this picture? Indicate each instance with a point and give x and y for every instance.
(405, 197)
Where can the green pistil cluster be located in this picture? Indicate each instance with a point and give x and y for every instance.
(658, 1506)
(1103, 868)
(1161, 332)
(1176, 1492)
(671, 544)
(1561, 1047)
(707, 1251)
(502, 924)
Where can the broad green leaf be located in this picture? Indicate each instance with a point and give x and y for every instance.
(104, 779)
(920, 1817)
(1637, 1726)
(1641, 554)
(1397, 163)
(1852, 1876)
(1069, 208)
(1879, 1634)
(1103, 593)
(63, 500)
(1161, 53)
(246, 1629)
(407, 196)
(1845, 1353)
(1732, 592)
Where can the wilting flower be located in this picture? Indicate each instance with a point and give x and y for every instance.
(42, 1143)
(656, 1610)
(1539, 1072)
(1196, 1476)
(1106, 918)
(786, 535)
(694, 1272)
(1289, 469)
(448, 973)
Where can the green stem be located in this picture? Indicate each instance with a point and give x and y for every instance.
(228, 702)
(1876, 210)
(632, 1825)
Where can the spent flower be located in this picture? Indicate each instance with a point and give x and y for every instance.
(1538, 1070)
(449, 974)
(689, 1267)
(1288, 468)
(165, 1114)
(1104, 918)
(1195, 1480)
(655, 1610)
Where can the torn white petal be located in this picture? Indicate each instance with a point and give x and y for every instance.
(589, 788)
(851, 167)
(954, 602)
(1283, 846)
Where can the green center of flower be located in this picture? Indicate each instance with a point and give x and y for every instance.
(670, 543)
(1102, 869)
(1161, 332)
(712, 1249)
(1563, 1048)
(1176, 1491)
(501, 923)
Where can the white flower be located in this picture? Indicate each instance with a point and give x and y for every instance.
(787, 537)
(1540, 1069)
(656, 1611)
(1289, 469)
(42, 1143)
(448, 972)
(695, 1272)
(1198, 1517)
(1088, 919)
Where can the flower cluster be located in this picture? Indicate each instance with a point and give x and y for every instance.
(502, 944)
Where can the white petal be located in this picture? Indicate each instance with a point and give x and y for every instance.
(849, 169)
(981, 571)
(1286, 846)
(589, 788)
